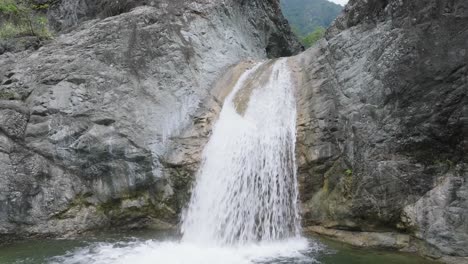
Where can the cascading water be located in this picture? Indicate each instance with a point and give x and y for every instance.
(246, 190)
(243, 208)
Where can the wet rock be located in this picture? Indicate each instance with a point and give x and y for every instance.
(111, 116)
(13, 119)
(439, 216)
(386, 240)
(382, 131)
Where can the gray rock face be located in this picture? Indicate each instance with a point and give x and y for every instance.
(85, 137)
(272, 26)
(383, 124)
(108, 121)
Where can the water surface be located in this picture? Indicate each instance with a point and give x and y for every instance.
(161, 248)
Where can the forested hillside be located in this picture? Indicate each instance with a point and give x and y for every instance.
(309, 18)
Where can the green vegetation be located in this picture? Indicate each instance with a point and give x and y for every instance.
(313, 37)
(448, 163)
(309, 18)
(20, 18)
(349, 172)
(4, 95)
(75, 206)
(347, 187)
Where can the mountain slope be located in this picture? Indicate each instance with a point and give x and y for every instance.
(306, 16)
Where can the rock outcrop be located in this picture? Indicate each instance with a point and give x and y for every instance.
(104, 126)
(383, 128)
(96, 126)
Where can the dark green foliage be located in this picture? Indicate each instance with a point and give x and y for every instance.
(21, 18)
(307, 15)
(309, 18)
(313, 37)
(349, 172)
(7, 7)
(4, 95)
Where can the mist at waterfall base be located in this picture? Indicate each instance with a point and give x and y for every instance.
(244, 203)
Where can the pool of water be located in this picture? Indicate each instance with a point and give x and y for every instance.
(143, 248)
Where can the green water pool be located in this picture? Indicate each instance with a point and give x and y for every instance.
(45, 251)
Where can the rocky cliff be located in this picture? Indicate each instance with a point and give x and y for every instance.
(384, 123)
(91, 123)
(104, 125)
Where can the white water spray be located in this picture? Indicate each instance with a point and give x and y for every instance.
(246, 190)
(244, 205)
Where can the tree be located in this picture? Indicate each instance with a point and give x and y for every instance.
(313, 37)
(23, 18)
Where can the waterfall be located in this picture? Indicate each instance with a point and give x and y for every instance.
(246, 189)
(243, 208)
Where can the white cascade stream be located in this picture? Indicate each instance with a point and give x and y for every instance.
(243, 208)
(246, 189)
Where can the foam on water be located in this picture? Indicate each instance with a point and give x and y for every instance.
(151, 252)
(244, 204)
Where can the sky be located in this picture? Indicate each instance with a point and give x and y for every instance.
(341, 2)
